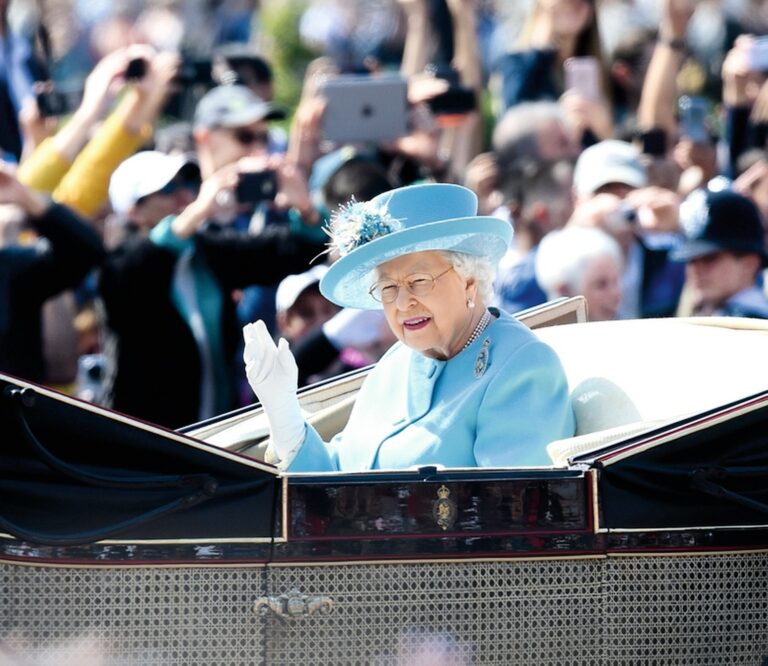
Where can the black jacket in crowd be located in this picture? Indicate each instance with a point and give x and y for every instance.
(30, 274)
(153, 364)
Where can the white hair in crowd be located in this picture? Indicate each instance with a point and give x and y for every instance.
(478, 267)
(564, 255)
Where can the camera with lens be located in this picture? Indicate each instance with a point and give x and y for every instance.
(191, 81)
(624, 217)
(256, 186)
(52, 102)
(457, 100)
(194, 71)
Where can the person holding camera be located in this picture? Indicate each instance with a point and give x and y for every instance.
(75, 164)
(612, 193)
(745, 96)
(168, 294)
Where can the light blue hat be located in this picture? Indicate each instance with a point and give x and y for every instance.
(416, 218)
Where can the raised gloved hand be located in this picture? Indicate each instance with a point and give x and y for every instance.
(273, 376)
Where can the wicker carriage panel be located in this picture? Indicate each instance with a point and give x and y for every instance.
(688, 609)
(131, 616)
(685, 610)
(534, 612)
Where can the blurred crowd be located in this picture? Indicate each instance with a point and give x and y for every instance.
(161, 185)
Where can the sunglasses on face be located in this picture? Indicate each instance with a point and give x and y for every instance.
(248, 137)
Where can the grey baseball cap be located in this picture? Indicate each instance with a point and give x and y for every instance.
(233, 106)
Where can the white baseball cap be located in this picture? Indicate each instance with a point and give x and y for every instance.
(291, 287)
(142, 174)
(609, 161)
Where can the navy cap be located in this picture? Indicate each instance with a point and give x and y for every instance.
(233, 106)
(720, 221)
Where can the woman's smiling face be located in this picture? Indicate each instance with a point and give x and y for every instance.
(437, 323)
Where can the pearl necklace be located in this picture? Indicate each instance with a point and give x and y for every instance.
(481, 325)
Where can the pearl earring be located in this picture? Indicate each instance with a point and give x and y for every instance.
(470, 303)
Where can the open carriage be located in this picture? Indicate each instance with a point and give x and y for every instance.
(645, 541)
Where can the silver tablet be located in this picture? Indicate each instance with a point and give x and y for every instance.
(365, 108)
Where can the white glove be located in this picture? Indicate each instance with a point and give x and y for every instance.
(273, 376)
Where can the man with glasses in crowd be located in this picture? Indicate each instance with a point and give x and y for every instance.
(168, 295)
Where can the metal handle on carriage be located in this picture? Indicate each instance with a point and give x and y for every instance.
(293, 606)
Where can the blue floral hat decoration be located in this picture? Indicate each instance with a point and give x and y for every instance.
(416, 218)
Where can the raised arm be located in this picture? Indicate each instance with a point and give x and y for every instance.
(273, 376)
(740, 91)
(84, 188)
(44, 168)
(659, 94)
(417, 37)
(465, 141)
(73, 249)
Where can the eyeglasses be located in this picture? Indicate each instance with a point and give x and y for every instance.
(418, 284)
(248, 137)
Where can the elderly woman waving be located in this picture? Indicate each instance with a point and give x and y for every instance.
(464, 386)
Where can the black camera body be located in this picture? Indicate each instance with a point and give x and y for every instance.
(454, 101)
(654, 142)
(136, 69)
(256, 186)
(52, 103)
(457, 100)
(195, 71)
(55, 100)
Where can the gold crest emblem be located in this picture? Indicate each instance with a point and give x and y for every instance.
(444, 508)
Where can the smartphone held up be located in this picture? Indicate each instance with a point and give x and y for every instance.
(582, 75)
(256, 186)
(692, 111)
(757, 55)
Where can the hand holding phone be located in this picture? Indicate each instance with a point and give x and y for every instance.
(757, 55)
(256, 186)
(693, 118)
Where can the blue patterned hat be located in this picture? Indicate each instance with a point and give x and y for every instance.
(417, 218)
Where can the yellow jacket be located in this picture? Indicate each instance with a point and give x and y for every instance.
(83, 184)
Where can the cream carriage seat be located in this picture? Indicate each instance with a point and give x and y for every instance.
(630, 376)
(624, 377)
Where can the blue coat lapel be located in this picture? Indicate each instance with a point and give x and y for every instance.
(412, 398)
(422, 375)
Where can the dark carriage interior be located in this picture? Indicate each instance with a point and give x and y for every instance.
(714, 476)
(73, 474)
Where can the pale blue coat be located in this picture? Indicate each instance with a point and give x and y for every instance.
(413, 410)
